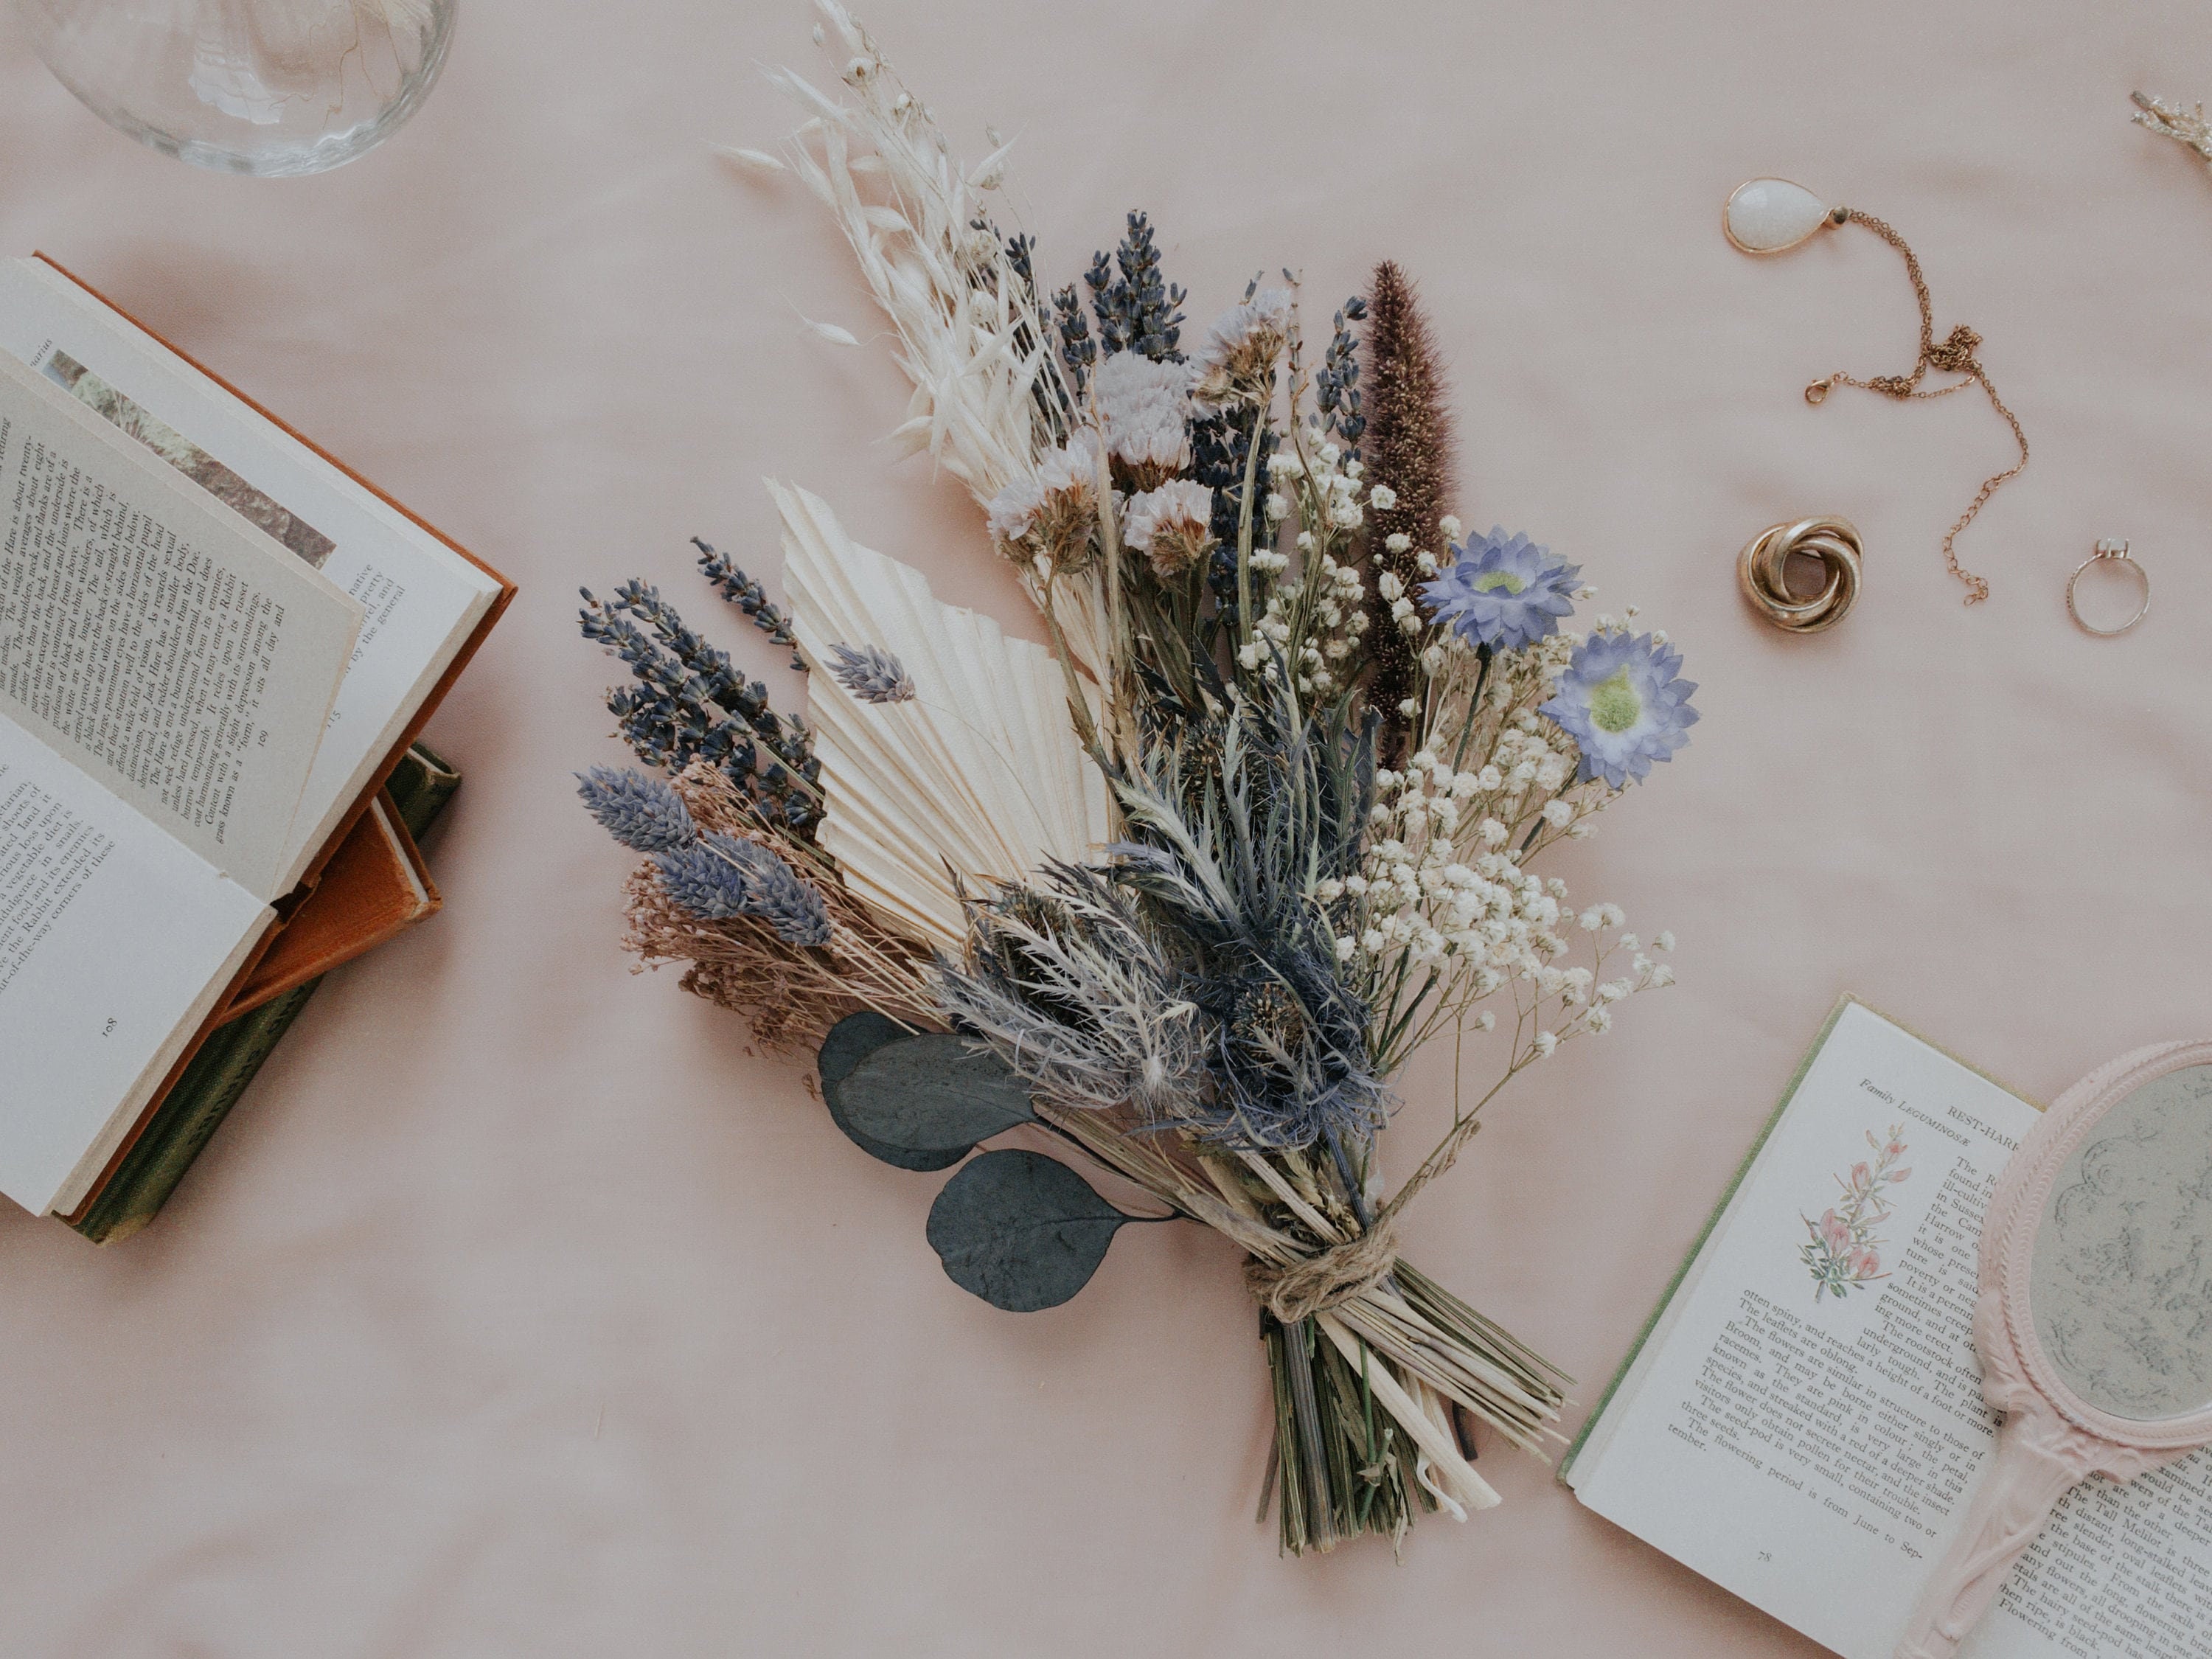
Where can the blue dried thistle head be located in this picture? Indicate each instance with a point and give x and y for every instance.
(641, 813)
(870, 673)
(721, 878)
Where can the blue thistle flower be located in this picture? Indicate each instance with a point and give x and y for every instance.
(870, 673)
(719, 876)
(1504, 592)
(1625, 706)
(641, 813)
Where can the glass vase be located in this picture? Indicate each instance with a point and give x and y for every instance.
(274, 87)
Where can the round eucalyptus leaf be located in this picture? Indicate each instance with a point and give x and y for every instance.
(932, 1093)
(851, 1040)
(1020, 1230)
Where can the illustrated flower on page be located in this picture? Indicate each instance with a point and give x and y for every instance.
(1624, 705)
(1840, 1253)
(1504, 592)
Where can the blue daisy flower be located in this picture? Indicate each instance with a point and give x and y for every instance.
(1622, 702)
(1504, 592)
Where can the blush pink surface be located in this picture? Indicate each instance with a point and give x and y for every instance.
(519, 1310)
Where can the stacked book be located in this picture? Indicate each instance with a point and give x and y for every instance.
(218, 648)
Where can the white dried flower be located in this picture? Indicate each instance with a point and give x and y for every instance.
(1054, 511)
(1172, 526)
(1450, 526)
(1237, 362)
(1382, 498)
(1145, 407)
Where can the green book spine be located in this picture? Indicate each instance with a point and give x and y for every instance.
(185, 1122)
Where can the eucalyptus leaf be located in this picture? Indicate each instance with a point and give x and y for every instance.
(1020, 1230)
(932, 1093)
(851, 1040)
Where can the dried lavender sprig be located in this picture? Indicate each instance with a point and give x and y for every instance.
(1077, 350)
(719, 876)
(642, 813)
(1336, 384)
(1139, 310)
(872, 674)
(690, 702)
(750, 597)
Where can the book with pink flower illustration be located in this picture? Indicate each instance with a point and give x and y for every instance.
(1802, 1420)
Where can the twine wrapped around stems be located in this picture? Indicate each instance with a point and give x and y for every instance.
(1314, 1284)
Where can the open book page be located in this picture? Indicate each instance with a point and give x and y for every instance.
(421, 598)
(115, 943)
(155, 640)
(1804, 1424)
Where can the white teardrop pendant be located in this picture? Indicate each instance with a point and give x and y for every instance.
(1771, 216)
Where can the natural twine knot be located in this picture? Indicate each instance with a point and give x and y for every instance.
(1318, 1283)
(1956, 354)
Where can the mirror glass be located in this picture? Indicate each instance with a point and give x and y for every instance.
(2121, 1287)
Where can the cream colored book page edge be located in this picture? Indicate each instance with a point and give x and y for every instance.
(278, 709)
(126, 1117)
(115, 940)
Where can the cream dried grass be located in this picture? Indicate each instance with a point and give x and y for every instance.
(973, 340)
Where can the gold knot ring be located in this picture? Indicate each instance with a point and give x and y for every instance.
(1763, 569)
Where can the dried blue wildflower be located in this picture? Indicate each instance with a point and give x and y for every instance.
(641, 813)
(1625, 706)
(1504, 592)
(719, 877)
(870, 674)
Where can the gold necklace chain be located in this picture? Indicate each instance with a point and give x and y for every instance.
(1953, 356)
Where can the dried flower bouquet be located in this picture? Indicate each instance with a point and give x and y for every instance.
(1183, 893)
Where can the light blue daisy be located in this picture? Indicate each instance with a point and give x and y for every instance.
(1622, 702)
(1504, 592)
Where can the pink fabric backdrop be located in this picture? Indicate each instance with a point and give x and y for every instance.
(518, 1310)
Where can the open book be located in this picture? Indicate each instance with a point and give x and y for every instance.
(214, 643)
(1803, 1420)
